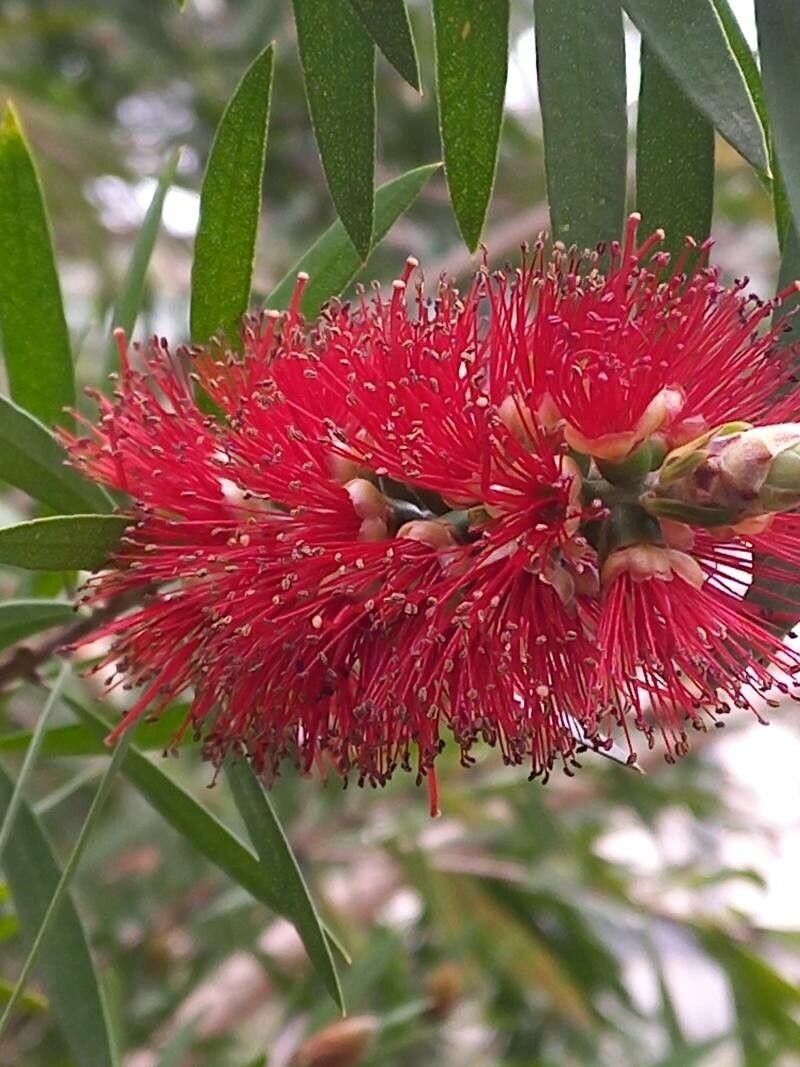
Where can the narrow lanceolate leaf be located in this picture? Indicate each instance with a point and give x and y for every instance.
(331, 263)
(338, 59)
(22, 618)
(778, 36)
(471, 69)
(280, 867)
(690, 40)
(77, 740)
(387, 23)
(66, 963)
(32, 460)
(129, 303)
(33, 330)
(208, 835)
(674, 158)
(48, 927)
(61, 543)
(230, 205)
(580, 59)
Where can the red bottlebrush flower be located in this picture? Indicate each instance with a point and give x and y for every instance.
(406, 523)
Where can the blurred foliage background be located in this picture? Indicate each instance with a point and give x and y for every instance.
(611, 918)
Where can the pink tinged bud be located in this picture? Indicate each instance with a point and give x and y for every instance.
(437, 535)
(343, 469)
(614, 447)
(371, 506)
(677, 534)
(342, 1044)
(646, 562)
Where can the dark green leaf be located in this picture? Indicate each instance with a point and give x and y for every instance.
(65, 963)
(674, 158)
(279, 865)
(32, 325)
(690, 40)
(32, 460)
(130, 298)
(584, 117)
(338, 59)
(208, 835)
(779, 51)
(61, 543)
(331, 263)
(230, 206)
(471, 68)
(387, 23)
(21, 618)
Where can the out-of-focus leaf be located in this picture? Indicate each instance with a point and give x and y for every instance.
(387, 24)
(471, 70)
(49, 927)
(66, 964)
(778, 35)
(32, 460)
(61, 542)
(130, 297)
(33, 329)
(674, 158)
(279, 865)
(331, 263)
(338, 59)
(690, 40)
(29, 1001)
(208, 835)
(21, 618)
(230, 206)
(77, 740)
(584, 117)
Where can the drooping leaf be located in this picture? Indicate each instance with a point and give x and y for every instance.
(230, 206)
(32, 460)
(61, 542)
(778, 35)
(208, 835)
(674, 158)
(584, 117)
(338, 59)
(471, 69)
(66, 966)
(129, 303)
(690, 40)
(331, 263)
(280, 867)
(22, 618)
(48, 928)
(33, 329)
(75, 739)
(388, 25)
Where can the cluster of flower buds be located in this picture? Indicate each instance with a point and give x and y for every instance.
(527, 515)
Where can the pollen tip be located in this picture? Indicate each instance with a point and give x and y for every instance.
(302, 276)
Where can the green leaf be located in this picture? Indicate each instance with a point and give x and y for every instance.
(31, 754)
(60, 896)
(387, 23)
(66, 964)
(279, 865)
(584, 117)
(32, 324)
(76, 740)
(32, 460)
(338, 59)
(230, 206)
(130, 297)
(21, 618)
(331, 263)
(674, 158)
(690, 40)
(62, 542)
(471, 69)
(778, 35)
(208, 835)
